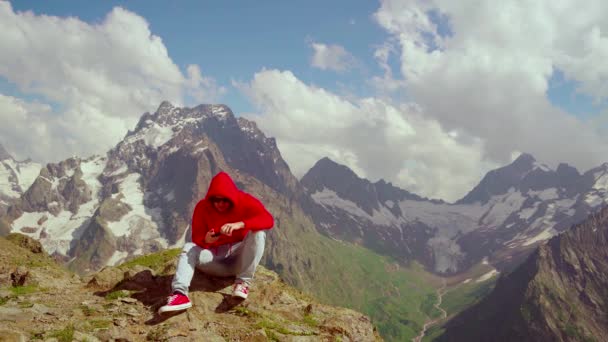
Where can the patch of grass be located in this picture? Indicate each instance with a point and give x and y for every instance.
(87, 310)
(460, 298)
(3, 300)
(64, 335)
(26, 304)
(433, 332)
(158, 334)
(577, 333)
(272, 325)
(428, 306)
(153, 261)
(244, 312)
(34, 261)
(98, 324)
(117, 294)
(24, 290)
(310, 321)
(355, 277)
(271, 335)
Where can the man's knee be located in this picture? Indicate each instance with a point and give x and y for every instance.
(258, 238)
(205, 257)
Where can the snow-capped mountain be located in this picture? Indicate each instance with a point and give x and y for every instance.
(139, 197)
(511, 210)
(15, 178)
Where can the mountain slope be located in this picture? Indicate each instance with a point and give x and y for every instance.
(120, 304)
(559, 293)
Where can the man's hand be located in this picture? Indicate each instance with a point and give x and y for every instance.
(209, 238)
(228, 228)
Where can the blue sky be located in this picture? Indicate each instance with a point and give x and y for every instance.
(427, 94)
(231, 40)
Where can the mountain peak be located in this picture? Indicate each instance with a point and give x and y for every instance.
(524, 171)
(325, 169)
(4, 154)
(165, 107)
(525, 158)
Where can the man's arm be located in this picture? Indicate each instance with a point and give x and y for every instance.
(199, 226)
(256, 215)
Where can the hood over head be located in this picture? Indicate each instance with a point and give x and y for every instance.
(223, 186)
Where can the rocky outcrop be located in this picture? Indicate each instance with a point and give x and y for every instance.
(120, 303)
(58, 187)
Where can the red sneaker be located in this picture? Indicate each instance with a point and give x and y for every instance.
(240, 290)
(176, 302)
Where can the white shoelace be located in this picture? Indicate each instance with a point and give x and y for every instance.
(171, 298)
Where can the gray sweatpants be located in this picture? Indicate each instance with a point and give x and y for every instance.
(239, 259)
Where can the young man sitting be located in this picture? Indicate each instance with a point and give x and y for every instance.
(228, 237)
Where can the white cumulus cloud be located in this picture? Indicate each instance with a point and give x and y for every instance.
(488, 78)
(331, 57)
(374, 138)
(97, 79)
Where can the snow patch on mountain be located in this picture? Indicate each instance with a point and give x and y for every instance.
(330, 199)
(593, 199)
(117, 258)
(446, 252)
(130, 193)
(500, 207)
(56, 232)
(487, 276)
(526, 213)
(447, 218)
(140, 221)
(153, 134)
(91, 170)
(219, 111)
(17, 177)
(544, 235)
(541, 166)
(546, 194)
(601, 181)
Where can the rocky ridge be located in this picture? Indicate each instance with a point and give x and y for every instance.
(120, 303)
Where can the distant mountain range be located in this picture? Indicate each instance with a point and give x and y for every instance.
(511, 211)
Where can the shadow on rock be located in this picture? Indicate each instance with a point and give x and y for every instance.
(152, 290)
(157, 319)
(228, 303)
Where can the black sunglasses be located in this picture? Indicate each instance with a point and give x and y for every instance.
(220, 199)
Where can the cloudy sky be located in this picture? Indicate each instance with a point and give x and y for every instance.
(427, 94)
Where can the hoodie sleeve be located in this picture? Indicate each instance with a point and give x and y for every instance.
(256, 215)
(199, 224)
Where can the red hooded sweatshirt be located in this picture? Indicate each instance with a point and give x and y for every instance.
(244, 208)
